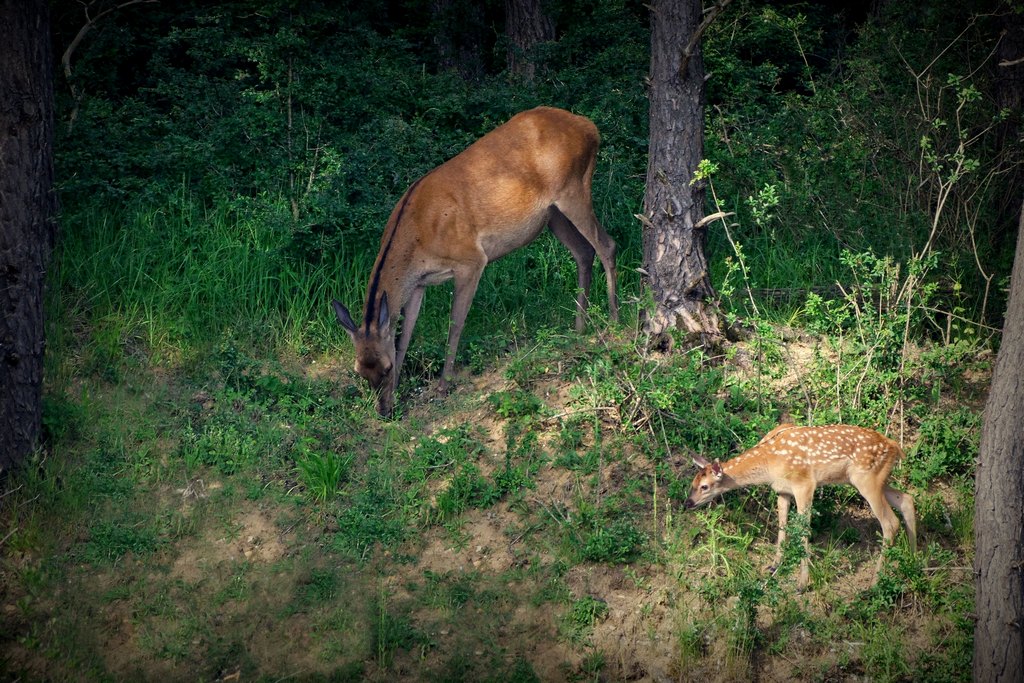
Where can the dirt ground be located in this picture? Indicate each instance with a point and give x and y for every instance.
(232, 583)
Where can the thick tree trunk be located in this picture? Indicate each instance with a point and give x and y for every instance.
(26, 218)
(1009, 95)
(999, 504)
(674, 248)
(526, 26)
(458, 37)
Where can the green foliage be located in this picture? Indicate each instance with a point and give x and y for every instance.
(868, 365)
(322, 472)
(615, 541)
(466, 488)
(579, 621)
(109, 541)
(372, 514)
(394, 632)
(947, 445)
(321, 587)
(62, 417)
(515, 404)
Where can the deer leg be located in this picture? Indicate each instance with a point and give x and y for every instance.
(409, 315)
(467, 278)
(879, 503)
(904, 502)
(783, 503)
(580, 213)
(804, 497)
(583, 253)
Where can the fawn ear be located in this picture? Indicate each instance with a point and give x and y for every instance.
(716, 468)
(700, 461)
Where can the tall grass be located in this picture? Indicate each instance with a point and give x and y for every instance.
(176, 277)
(182, 274)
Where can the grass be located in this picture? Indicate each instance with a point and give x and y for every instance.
(217, 496)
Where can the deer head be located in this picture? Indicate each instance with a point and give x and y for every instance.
(375, 352)
(707, 484)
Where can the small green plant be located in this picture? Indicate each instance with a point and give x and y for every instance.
(883, 653)
(718, 544)
(467, 488)
(449, 591)
(109, 541)
(322, 473)
(515, 403)
(616, 541)
(579, 620)
(393, 632)
(448, 450)
(62, 417)
(371, 513)
(763, 204)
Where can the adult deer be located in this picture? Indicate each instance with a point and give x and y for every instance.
(494, 197)
(796, 460)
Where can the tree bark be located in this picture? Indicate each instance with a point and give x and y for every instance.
(526, 26)
(27, 228)
(673, 243)
(999, 503)
(459, 37)
(1009, 96)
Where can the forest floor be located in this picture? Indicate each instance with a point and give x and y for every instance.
(157, 571)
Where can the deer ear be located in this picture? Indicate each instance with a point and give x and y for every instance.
(716, 468)
(700, 461)
(385, 317)
(343, 317)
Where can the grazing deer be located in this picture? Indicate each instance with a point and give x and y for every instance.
(494, 197)
(796, 460)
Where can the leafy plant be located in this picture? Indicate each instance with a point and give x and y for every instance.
(583, 613)
(947, 445)
(616, 541)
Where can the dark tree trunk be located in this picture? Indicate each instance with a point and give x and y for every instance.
(26, 218)
(459, 36)
(1009, 94)
(526, 26)
(999, 503)
(1009, 82)
(674, 245)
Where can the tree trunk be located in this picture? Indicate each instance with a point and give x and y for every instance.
(27, 225)
(1009, 95)
(458, 36)
(999, 503)
(674, 258)
(526, 26)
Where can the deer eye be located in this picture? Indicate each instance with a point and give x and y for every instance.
(704, 487)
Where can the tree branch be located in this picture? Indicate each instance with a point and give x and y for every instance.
(65, 59)
(695, 38)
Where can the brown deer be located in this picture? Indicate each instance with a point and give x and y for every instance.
(492, 198)
(796, 460)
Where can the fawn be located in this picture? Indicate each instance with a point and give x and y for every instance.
(796, 460)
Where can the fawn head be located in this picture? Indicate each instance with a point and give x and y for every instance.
(707, 485)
